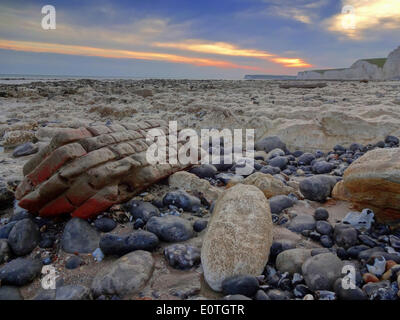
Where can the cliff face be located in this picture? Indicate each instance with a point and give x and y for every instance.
(365, 69)
(391, 69)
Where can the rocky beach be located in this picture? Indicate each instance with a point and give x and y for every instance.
(316, 218)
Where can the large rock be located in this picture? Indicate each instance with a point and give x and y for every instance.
(241, 223)
(85, 171)
(373, 181)
(24, 237)
(268, 184)
(126, 276)
(321, 271)
(79, 237)
(317, 188)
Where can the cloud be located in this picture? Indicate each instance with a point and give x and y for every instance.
(43, 47)
(223, 48)
(367, 17)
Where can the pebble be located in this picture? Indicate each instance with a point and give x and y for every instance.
(360, 221)
(302, 222)
(325, 295)
(20, 271)
(324, 227)
(79, 237)
(241, 284)
(182, 256)
(142, 210)
(321, 214)
(24, 237)
(345, 235)
(279, 203)
(111, 244)
(378, 266)
(204, 171)
(305, 159)
(25, 149)
(279, 162)
(183, 200)
(73, 262)
(200, 225)
(321, 167)
(170, 228)
(326, 241)
(105, 224)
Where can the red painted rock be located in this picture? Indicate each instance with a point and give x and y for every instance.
(85, 171)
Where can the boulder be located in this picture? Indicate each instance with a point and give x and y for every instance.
(241, 223)
(373, 181)
(126, 276)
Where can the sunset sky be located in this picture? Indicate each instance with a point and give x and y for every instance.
(193, 38)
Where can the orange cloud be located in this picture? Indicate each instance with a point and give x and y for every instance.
(223, 48)
(117, 54)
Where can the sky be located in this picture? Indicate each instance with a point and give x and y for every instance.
(196, 39)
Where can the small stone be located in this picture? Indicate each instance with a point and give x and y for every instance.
(301, 291)
(25, 149)
(317, 188)
(369, 277)
(79, 237)
(321, 214)
(126, 276)
(324, 227)
(105, 224)
(353, 252)
(200, 225)
(279, 246)
(276, 294)
(321, 167)
(348, 293)
(138, 224)
(321, 271)
(305, 159)
(182, 199)
(170, 228)
(268, 144)
(360, 221)
(24, 237)
(182, 256)
(279, 162)
(261, 295)
(142, 210)
(345, 235)
(325, 295)
(394, 242)
(241, 284)
(280, 203)
(20, 271)
(111, 244)
(292, 260)
(73, 262)
(302, 222)
(98, 255)
(204, 171)
(377, 267)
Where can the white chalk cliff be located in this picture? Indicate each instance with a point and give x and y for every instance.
(365, 69)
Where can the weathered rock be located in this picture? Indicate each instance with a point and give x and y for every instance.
(79, 237)
(170, 228)
(268, 184)
(191, 183)
(24, 237)
(373, 181)
(321, 271)
(126, 276)
(317, 188)
(241, 222)
(292, 260)
(84, 171)
(20, 271)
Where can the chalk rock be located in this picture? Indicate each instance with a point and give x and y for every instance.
(241, 223)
